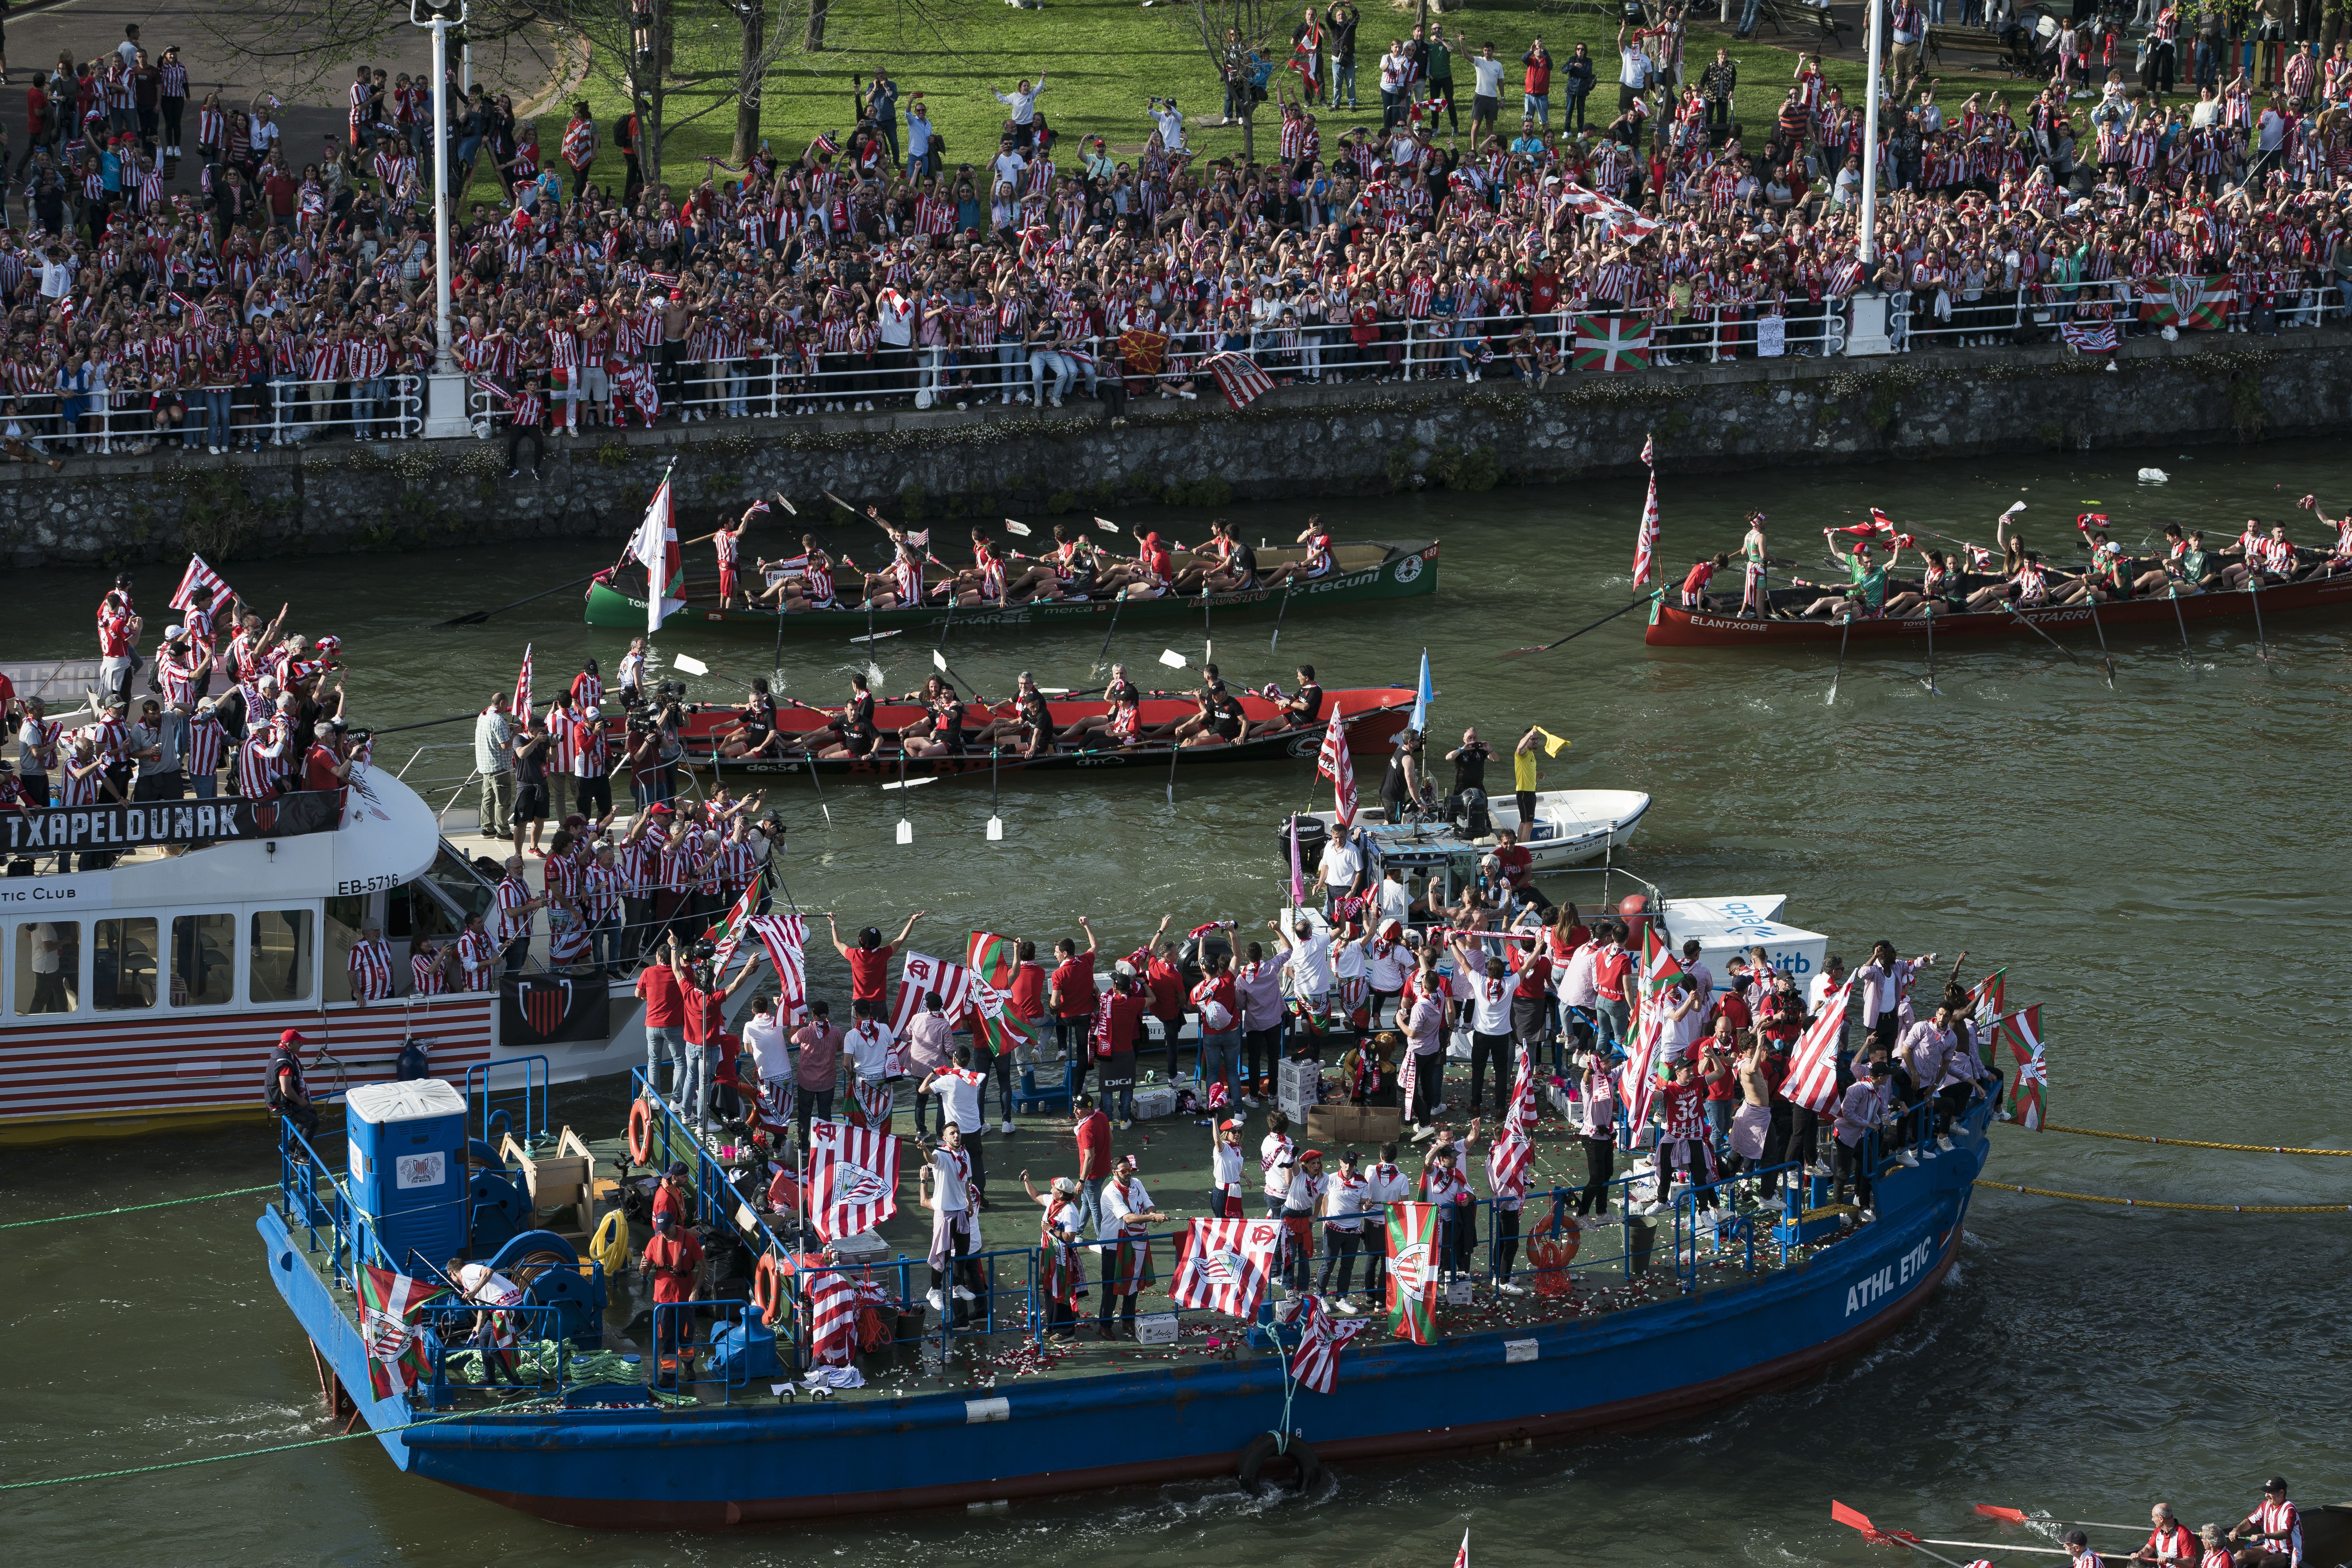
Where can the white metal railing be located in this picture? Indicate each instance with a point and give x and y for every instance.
(1409, 348)
(276, 413)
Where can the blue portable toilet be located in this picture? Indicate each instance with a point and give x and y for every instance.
(408, 1174)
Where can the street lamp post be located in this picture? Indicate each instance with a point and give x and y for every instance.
(1867, 334)
(445, 406)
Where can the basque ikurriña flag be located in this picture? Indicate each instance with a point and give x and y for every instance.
(1613, 343)
(2023, 1031)
(389, 1303)
(993, 961)
(853, 1178)
(1413, 1272)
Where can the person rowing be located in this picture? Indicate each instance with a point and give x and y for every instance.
(800, 583)
(2339, 557)
(1120, 719)
(1318, 562)
(1231, 569)
(1028, 729)
(1302, 709)
(753, 733)
(1073, 564)
(2028, 586)
(983, 585)
(1220, 722)
(1150, 575)
(1938, 593)
(849, 732)
(939, 732)
(901, 583)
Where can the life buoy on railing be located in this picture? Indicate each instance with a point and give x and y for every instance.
(1550, 1250)
(768, 1286)
(1266, 1445)
(641, 1132)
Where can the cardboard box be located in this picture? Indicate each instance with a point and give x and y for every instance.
(1364, 1126)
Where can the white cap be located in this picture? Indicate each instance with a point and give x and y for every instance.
(594, 713)
(174, 631)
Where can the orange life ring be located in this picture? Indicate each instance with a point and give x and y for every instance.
(641, 1132)
(768, 1286)
(1550, 1250)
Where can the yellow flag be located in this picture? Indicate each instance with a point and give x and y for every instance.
(1552, 743)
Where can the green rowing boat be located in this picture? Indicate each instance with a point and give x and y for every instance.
(1361, 574)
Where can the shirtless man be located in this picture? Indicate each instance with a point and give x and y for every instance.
(1755, 591)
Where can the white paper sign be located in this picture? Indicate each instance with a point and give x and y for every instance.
(420, 1170)
(1155, 1328)
(1771, 336)
(1457, 1292)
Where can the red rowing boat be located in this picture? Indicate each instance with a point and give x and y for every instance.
(1375, 716)
(1672, 626)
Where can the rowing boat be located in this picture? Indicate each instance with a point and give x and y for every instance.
(1673, 627)
(1572, 826)
(1361, 573)
(1375, 716)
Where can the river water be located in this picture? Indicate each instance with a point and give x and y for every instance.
(2161, 866)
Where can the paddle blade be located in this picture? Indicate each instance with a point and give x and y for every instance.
(1021, 529)
(995, 828)
(689, 664)
(2006, 1515)
(1853, 1518)
(876, 637)
(905, 831)
(1831, 700)
(938, 660)
(1171, 658)
(1106, 525)
(786, 502)
(909, 784)
(472, 618)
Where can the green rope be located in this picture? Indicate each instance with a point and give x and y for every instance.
(141, 1208)
(275, 1448)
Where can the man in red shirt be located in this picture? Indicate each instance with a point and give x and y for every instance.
(325, 767)
(1164, 985)
(1071, 995)
(702, 1014)
(1092, 1130)
(1530, 1002)
(1219, 1001)
(673, 1261)
(869, 961)
(1609, 970)
(657, 989)
(1118, 1025)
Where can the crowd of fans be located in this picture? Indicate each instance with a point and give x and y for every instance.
(274, 298)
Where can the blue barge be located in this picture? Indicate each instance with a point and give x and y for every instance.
(1769, 1297)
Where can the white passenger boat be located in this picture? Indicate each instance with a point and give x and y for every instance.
(1572, 826)
(154, 953)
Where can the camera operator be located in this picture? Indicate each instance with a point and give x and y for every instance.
(1171, 121)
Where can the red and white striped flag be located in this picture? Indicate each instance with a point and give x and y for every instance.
(834, 1301)
(1645, 546)
(199, 578)
(1334, 763)
(1512, 1154)
(1223, 1265)
(853, 1178)
(729, 931)
(1238, 375)
(1811, 1080)
(521, 704)
(784, 936)
(1316, 1362)
(922, 976)
(1462, 1558)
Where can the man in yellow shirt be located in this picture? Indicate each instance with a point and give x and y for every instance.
(1523, 779)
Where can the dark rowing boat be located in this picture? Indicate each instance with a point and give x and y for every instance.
(1673, 627)
(1375, 716)
(1361, 574)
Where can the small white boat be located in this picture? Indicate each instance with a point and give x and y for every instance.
(1571, 827)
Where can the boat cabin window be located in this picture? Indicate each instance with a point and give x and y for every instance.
(412, 914)
(203, 960)
(122, 965)
(345, 918)
(283, 957)
(464, 887)
(48, 966)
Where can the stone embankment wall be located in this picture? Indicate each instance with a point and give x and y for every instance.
(1354, 439)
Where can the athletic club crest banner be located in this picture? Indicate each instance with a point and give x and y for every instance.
(853, 1178)
(1223, 1265)
(1413, 1271)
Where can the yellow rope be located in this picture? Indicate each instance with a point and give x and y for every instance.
(2193, 1143)
(2152, 1204)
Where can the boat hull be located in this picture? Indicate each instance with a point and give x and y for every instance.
(1410, 571)
(1672, 626)
(713, 1469)
(1573, 843)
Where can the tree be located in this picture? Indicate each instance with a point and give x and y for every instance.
(1239, 37)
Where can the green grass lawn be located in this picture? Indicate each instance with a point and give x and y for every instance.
(1102, 58)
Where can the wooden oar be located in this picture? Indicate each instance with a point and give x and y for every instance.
(476, 617)
(817, 779)
(1278, 614)
(2255, 597)
(1856, 1519)
(2045, 636)
(1997, 1546)
(995, 759)
(2019, 1516)
(1546, 648)
(1848, 624)
(1116, 605)
(2182, 622)
(1931, 655)
(2092, 599)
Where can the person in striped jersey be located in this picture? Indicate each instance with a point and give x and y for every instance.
(428, 970)
(370, 967)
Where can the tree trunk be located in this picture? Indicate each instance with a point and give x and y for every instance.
(753, 15)
(816, 26)
(1249, 126)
